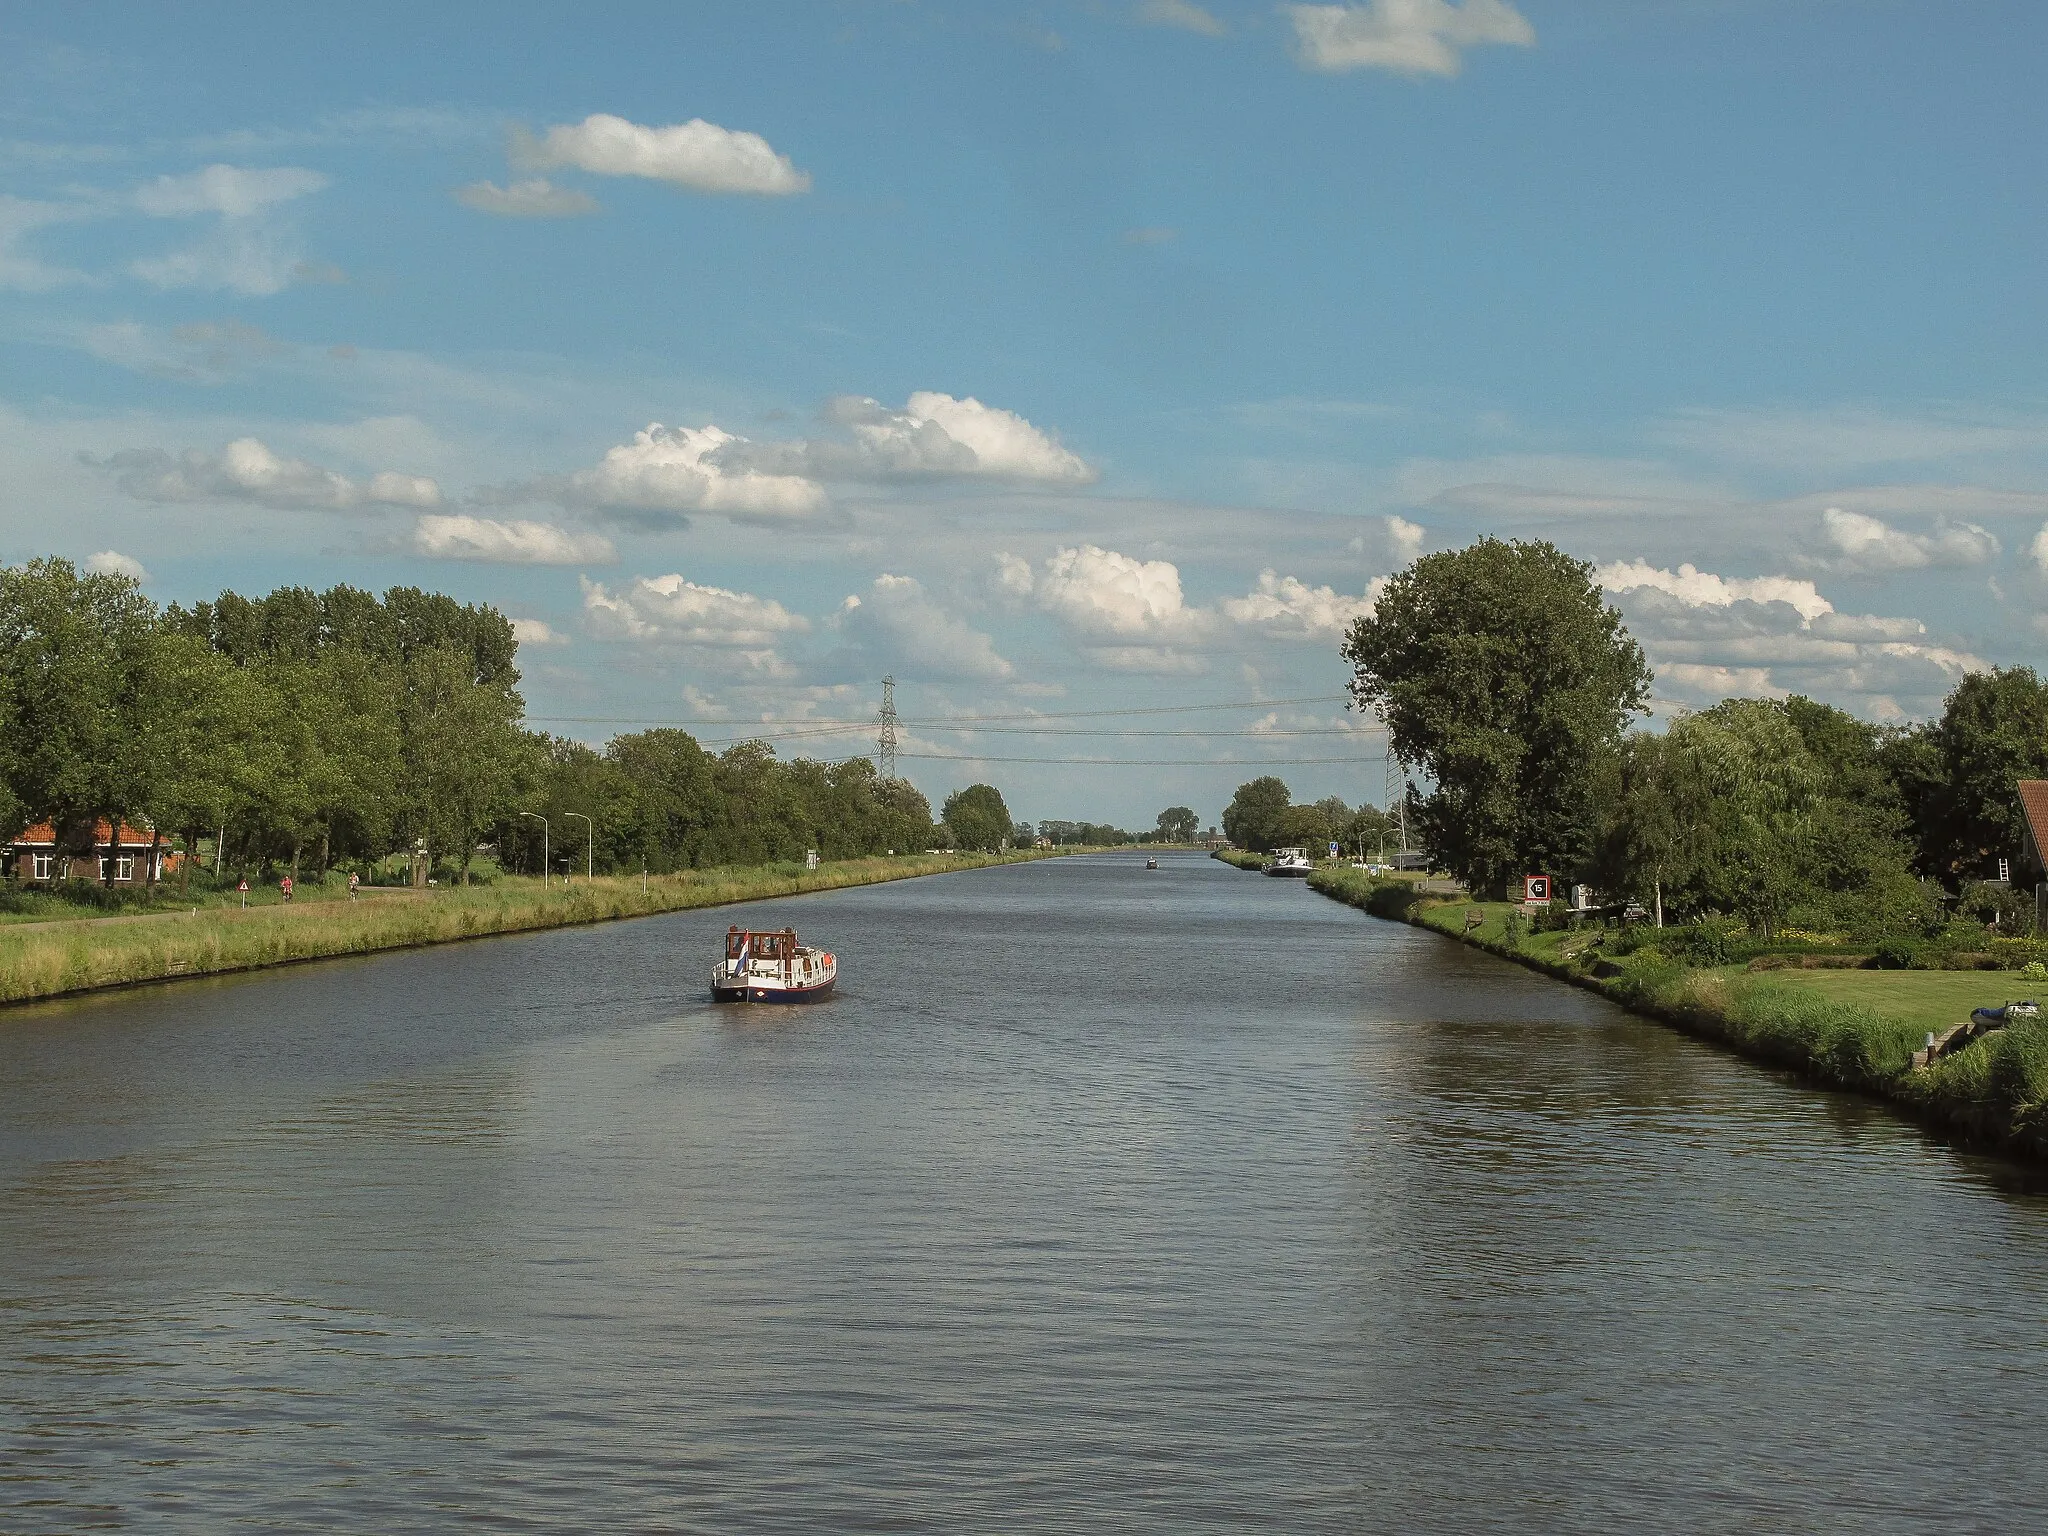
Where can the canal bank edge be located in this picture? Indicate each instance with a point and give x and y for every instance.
(68, 959)
(1992, 1094)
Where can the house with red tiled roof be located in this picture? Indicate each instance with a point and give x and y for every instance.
(33, 856)
(2034, 825)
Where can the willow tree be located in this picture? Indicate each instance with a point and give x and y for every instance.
(1501, 672)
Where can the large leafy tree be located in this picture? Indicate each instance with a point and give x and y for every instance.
(1252, 819)
(978, 817)
(77, 697)
(1178, 824)
(1960, 774)
(1500, 670)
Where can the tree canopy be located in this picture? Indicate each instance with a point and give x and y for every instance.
(1501, 671)
(312, 727)
(1252, 819)
(977, 817)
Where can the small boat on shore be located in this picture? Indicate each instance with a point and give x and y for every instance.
(771, 967)
(1290, 864)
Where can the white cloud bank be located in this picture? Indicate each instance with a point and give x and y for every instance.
(247, 470)
(895, 621)
(1130, 614)
(1410, 37)
(1703, 589)
(666, 473)
(1865, 543)
(507, 543)
(1709, 636)
(673, 471)
(933, 436)
(533, 198)
(698, 155)
(675, 611)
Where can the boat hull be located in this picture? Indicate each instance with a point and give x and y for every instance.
(1285, 872)
(760, 990)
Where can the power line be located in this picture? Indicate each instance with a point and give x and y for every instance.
(1144, 762)
(940, 722)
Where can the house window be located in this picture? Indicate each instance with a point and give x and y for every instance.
(40, 863)
(124, 867)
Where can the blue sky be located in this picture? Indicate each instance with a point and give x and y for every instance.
(1060, 359)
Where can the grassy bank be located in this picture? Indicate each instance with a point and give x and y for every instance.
(1847, 1028)
(1240, 858)
(81, 956)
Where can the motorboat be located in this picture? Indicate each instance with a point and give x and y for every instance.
(1290, 864)
(1151, 863)
(771, 967)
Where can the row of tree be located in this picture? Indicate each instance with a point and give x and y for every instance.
(308, 728)
(1261, 816)
(1503, 675)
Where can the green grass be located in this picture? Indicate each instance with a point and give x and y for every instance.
(87, 954)
(1924, 999)
(1848, 1028)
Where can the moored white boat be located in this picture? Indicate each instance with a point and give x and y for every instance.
(771, 967)
(1290, 864)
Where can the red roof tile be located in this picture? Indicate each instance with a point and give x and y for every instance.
(2034, 803)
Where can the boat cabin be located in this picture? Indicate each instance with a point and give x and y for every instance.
(752, 944)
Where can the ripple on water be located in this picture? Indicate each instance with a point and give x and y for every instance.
(1202, 1204)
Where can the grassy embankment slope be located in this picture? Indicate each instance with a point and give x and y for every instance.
(1853, 1029)
(56, 958)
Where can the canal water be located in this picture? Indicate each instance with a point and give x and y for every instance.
(1098, 1199)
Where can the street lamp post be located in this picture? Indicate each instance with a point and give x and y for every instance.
(589, 840)
(544, 866)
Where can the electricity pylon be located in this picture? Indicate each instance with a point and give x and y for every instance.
(885, 747)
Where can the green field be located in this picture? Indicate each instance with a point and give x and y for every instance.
(1924, 999)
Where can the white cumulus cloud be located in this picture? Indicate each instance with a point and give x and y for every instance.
(1709, 636)
(1410, 37)
(1865, 543)
(896, 622)
(247, 470)
(933, 436)
(674, 471)
(536, 632)
(1703, 589)
(533, 198)
(699, 155)
(507, 543)
(670, 609)
(111, 562)
(1104, 595)
(2039, 550)
(1287, 608)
